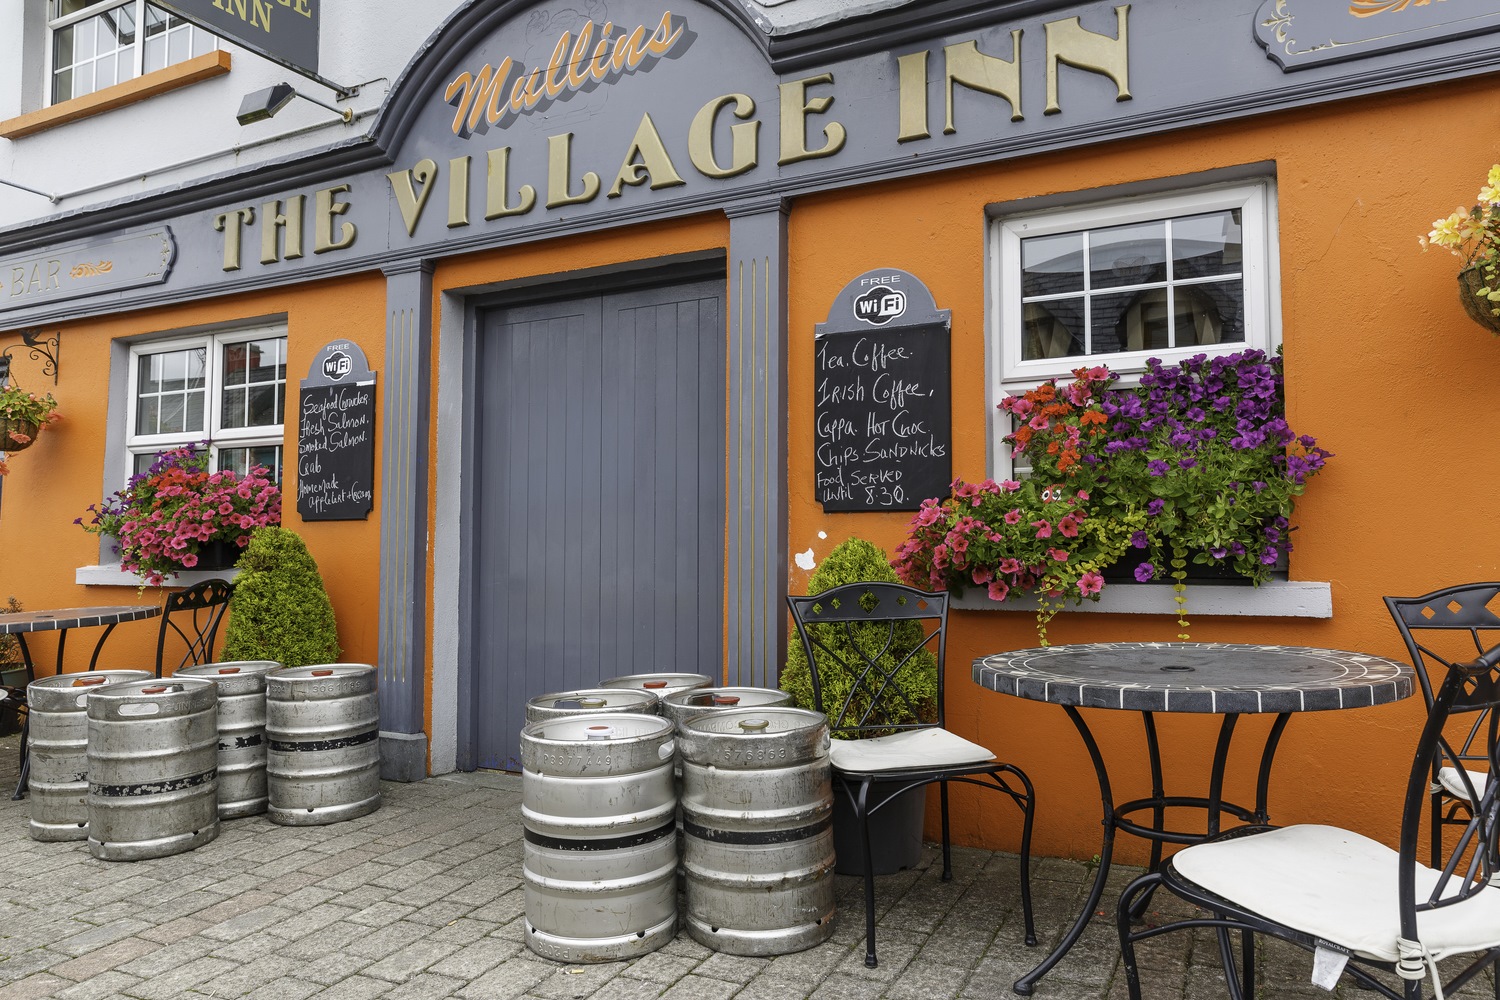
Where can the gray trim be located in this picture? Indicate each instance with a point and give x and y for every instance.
(403, 756)
(755, 631)
(403, 498)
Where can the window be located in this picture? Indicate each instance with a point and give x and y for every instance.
(229, 389)
(1118, 282)
(99, 43)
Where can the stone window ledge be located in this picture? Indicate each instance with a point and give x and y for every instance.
(112, 575)
(204, 67)
(1275, 599)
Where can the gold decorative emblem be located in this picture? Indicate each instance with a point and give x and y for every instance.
(92, 270)
(1369, 8)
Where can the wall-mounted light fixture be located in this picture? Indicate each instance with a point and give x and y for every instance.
(263, 104)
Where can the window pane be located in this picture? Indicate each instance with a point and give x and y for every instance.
(104, 71)
(173, 372)
(145, 419)
(62, 85)
(173, 414)
(62, 48)
(177, 47)
(1209, 244)
(142, 462)
(232, 408)
(62, 8)
(1053, 329)
(240, 460)
(1210, 313)
(1131, 321)
(262, 406)
(1052, 264)
(195, 404)
(1128, 255)
(156, 54)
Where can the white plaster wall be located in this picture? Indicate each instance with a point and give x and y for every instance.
(170, 139)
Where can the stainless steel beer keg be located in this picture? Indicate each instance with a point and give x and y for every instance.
(57, 784)
(660, 685)
(323, 743)
(591, 701)
(153, 753)
(242, 732)
(600, 853)
(757, 806)
(680, 706)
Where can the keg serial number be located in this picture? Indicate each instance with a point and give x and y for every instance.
(754, 753)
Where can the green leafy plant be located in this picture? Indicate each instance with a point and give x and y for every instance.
(22, 416)
(280, 610)
(1196, 465)
(1473, 236)
(858, 561)
(165, 515)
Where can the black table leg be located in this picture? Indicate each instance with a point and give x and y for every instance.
(1027, 983)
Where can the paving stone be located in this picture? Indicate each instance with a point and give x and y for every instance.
(107, 984)
(104, 959)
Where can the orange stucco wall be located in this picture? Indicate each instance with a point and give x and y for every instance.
(1382, 366)
(58, 477)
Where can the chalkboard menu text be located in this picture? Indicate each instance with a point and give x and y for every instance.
(336, 437)
(882, 397)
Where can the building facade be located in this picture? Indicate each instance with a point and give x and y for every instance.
(573, 260)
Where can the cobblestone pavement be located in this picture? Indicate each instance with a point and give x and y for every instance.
(423, 899)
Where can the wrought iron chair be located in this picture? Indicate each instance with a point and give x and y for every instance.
(875, 631)
(1344, 896)
(1439, 629)
(190, 620)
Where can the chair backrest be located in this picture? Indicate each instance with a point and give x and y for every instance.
(1471, 688)
(1442, 628)
(886, 641)
(190, 620)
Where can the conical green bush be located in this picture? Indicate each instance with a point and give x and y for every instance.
(280, 610)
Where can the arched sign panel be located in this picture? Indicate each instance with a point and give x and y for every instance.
(882, 396)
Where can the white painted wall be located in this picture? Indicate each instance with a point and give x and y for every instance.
(173, 138)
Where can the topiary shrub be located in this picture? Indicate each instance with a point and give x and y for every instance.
(279, 610)
(857, 561)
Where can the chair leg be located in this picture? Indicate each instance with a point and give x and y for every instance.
(1028, 815)
(1232, 977)
(861, 813)
(1144, 883)
(947, 844)
(1437, 829)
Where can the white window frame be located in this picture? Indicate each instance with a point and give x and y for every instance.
(139, 47)
(218, 436)
(1008, 375)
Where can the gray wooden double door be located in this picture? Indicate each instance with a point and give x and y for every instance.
(599, 529)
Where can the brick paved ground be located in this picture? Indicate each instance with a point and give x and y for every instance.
(423, 899)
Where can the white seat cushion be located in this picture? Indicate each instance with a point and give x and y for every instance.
(1454, 785)
(917, 748)
(1339, 886)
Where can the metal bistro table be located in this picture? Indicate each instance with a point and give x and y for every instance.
(1207, 678)
(19, 623)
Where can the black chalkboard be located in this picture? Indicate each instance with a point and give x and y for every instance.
(336, 438)
(882, 397)
(883, 418)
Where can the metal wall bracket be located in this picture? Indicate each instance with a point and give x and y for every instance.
(39, 347)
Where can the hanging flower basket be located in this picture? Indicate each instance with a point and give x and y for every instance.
(17, 434)
(1480, 310)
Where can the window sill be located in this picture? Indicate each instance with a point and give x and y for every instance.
(113, 576)
(1275, 599)
(194, 70)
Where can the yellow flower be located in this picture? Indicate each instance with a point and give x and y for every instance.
(1449, 232)
(1494, 178)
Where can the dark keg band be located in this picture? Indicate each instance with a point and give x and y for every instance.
(302, 746)
(612, 844)
(152, 787)
(762, 838)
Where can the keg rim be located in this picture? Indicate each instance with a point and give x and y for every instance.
(242, 668)
(533, 731)
(645, 698)
(69, 681)
(133, 689)
(684, 697)
(638, 682)
(336, 671)
(728, 717)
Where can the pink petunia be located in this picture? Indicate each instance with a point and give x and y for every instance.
(998, 591)
(1090, 583)
(1043, 528)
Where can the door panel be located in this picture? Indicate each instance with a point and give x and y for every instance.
(599, 514)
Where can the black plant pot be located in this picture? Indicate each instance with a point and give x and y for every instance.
(895, 831)
(217, 554)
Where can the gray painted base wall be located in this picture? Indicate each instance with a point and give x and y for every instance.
(403, 756)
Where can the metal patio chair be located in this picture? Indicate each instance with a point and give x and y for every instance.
(1458, 620)
(874, 632)
(190, 620)
(1348, 898)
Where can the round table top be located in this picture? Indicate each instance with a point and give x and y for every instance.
(61, 618)
(1196, 677)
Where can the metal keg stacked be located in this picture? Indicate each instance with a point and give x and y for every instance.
(323, 753)
(57, 746)
(757, 808)
(600, 851)
(153, 749)
(241, 717)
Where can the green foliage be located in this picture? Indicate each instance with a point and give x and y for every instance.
(856, 561)
(280, 610)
